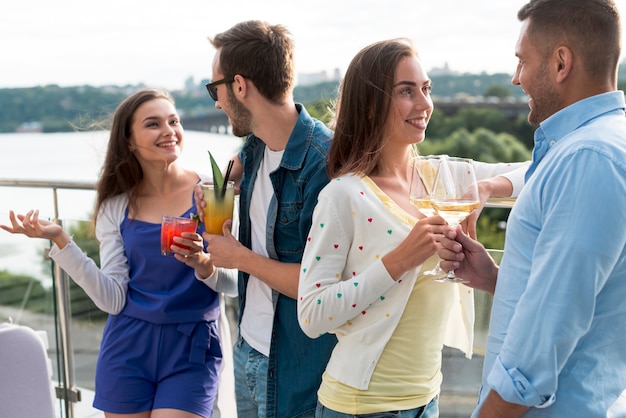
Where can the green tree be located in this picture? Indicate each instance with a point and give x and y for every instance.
(524, 131)
(481, 145)
(321, 109)
(23, 291)
(469, 118)
(497, 90)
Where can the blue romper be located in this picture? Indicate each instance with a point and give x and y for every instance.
(163, 349)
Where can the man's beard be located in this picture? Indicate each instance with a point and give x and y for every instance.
(545, 102)
(240, 118)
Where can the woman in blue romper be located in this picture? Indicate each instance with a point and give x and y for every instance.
(160, 354)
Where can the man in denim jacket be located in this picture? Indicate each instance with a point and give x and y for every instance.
(282, 168)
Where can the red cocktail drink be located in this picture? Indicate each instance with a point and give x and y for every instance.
(173, 226)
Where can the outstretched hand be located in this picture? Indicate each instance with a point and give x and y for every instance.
(30, 225)
(469, 259)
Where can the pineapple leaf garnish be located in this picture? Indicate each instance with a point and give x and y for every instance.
(218, 179)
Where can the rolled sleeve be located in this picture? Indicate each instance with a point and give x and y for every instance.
(514, 387)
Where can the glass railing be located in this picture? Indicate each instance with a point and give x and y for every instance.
(44, 298)
(34, 292)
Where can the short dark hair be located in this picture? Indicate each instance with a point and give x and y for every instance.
(591, 28)
(261, 52)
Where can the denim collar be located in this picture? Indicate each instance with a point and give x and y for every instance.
(297, 144)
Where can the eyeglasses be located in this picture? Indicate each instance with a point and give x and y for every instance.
(212, 87)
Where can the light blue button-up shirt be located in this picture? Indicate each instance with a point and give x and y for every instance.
(557, 338)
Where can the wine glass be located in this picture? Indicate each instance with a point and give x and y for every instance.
(454, 196)
(422, 180)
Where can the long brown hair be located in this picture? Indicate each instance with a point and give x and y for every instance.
(121, 171)
(362, 107)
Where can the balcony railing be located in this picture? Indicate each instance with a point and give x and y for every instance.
(58, 323)
(75, 336)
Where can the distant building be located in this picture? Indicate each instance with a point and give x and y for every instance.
(190, 84)
(442, 71)
(307, 79)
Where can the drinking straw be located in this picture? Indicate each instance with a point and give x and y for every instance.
(226, 176)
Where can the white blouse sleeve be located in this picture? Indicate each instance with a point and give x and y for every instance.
(222, 281)
(106, 286)
(514, 172)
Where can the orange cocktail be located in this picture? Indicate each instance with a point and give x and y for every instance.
(219, 206)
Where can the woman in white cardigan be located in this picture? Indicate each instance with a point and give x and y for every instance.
(361, 271)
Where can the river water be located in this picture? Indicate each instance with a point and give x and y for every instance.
(73, 156)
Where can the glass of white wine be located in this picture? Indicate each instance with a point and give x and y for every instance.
(454, 196)
(422, 180)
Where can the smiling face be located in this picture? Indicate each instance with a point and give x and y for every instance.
(411, 105)
(533, 75)
(156, 132)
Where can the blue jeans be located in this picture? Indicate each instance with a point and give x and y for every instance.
(250, 380)
(430, 410)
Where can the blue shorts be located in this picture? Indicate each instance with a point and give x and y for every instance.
(144, 366)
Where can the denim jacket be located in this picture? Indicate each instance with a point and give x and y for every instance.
(296, 362)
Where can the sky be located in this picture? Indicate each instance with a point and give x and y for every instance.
(162, 43)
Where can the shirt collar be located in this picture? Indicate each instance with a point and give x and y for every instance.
(562, 123)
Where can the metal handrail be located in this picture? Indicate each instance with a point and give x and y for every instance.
(494, 202)
(500, 202)
(47, 184)
(67, 392)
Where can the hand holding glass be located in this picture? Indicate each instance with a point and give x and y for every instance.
(422, 180)
(174, 226)
(455, 196)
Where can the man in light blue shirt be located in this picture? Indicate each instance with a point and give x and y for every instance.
(557, 338)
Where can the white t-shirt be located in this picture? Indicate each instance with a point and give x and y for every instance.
(258, 315)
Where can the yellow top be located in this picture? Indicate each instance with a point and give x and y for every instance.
(408, 374)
